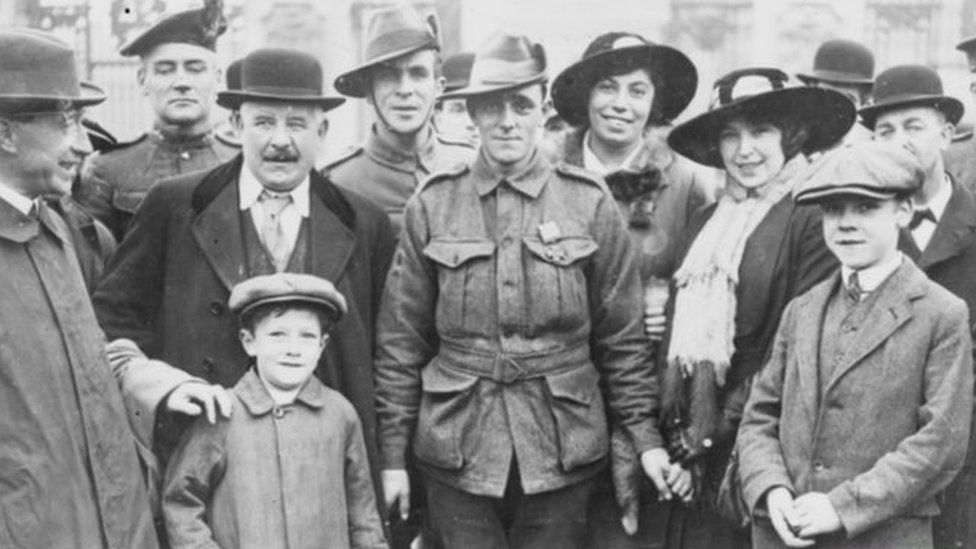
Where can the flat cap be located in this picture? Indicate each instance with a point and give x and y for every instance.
(872, 169)
(287, 287)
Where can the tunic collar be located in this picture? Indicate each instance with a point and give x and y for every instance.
(181, 142)
(252, 392)
(20, 202)
(389, 154)
(528, 182)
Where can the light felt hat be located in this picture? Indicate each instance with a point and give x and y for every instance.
(505, 62)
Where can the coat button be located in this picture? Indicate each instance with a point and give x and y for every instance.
(818, 466)
(216, 308)
(208, 365)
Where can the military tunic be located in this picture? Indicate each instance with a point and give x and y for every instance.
(507, 303)
(114, 184)
(388, 176)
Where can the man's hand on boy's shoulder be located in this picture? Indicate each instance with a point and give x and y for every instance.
(196, 397)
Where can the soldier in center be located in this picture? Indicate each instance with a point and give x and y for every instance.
(513, 298)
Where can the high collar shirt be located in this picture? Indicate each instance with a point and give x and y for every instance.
(23, 204)
(291, 215)
(923, 233)
(869, 279)
(594, 164)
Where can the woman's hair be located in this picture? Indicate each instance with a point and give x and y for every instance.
(795, 133)
(619, 66)
(253, 316)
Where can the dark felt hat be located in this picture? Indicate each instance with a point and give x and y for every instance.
(456, 70)
(287, 288)
(200, 27)
(905, 86)
(100, 138)
(505, 62)
(233, 74)
(277, 74)
(871, 169)
(968, 46)
(841, 62)
(672, 73)
(827, 114)
(38, 71)
(391, 33)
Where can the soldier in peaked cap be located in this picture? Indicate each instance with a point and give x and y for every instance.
(845, 66)
(399, 80)
(178, 74)
(70, 473)
(910, 107)
(513, 298)
(267, 210)
(960, 157)
(451, 119)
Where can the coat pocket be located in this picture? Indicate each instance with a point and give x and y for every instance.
(557, 289)
(581, 423)
(443, 420)
(464, 281)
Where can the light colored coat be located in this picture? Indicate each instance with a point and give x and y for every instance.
(884, 436)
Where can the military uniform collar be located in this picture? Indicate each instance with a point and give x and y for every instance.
(178, 141)
(388, 153)
(528, 182)
(252, 392)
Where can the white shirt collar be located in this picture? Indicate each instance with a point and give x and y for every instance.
(250, 189)
(594, 164)
(15, 199)
(869, 279)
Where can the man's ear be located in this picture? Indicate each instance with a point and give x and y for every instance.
(439, 85)
(947, 131)
(235, 120)
(141, 78)
(8, 138)
(323, 126)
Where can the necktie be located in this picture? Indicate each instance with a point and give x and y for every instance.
(919, 215)
(853, 290)
(272, 231)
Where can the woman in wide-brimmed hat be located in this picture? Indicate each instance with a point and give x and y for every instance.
(742, 262)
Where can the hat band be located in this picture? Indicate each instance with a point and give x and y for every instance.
(495, 72)
(399, 40)
(282, 91)
(46, 81)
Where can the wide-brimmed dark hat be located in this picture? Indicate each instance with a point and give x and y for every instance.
(277, 74)
(907, 86)
(672, 73)
(841, 62)
(872, 169)
(505, 62)
(391, 33)
(200, 27)
(39, 70)
(456, 71)
(763, 92)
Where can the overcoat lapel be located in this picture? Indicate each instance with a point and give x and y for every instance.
(333, 242)
(217, 226)
(955, 231)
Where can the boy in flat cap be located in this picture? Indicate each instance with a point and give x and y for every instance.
(399, 79)
(853, 426)
(289, 468)
(179, 76)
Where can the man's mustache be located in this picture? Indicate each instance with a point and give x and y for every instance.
(281, 156)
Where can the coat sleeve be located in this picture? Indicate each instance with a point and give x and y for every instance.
(195, 469)
(924, 463)
(618, 345)
(365, 527)
(761, 462)
(406, 337)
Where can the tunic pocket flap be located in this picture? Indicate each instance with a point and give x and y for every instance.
(454, 253)
(128, 201)
(578, 384)
(563, 252)
(437, 378)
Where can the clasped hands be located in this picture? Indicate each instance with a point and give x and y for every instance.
(798, 520)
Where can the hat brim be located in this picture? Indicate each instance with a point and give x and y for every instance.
(89, 95)
(354, 83)
(951, 107)
(827, 114)
(232, 99)
(834, 77)
(850, 190)
(482, 89)
(673, 74)
(331, 308)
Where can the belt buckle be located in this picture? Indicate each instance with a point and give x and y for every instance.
(506, 369)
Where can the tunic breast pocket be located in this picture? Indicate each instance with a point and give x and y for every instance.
(557, 289)
(464, 283)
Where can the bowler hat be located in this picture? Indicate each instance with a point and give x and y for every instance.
(38, 69)
(968, 46)
(672, 73)
(505, 62)
(871, 169)
(841, 62)
(826, 114)
(200, 27)
(233, 74)
(287, 288)
(456, 70)
(392, 33)
(907, 86)
(276, 74)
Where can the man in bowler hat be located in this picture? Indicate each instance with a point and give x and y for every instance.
(179, 76)
(69, 473)
(266, 211)
(960, 158)
(399, 80)
(845, 66)
(513, 297)
(910, 107)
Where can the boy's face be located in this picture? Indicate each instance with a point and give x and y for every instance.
(286, 347)
(863, 232)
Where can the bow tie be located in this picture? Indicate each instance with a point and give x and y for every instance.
(919, 215)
